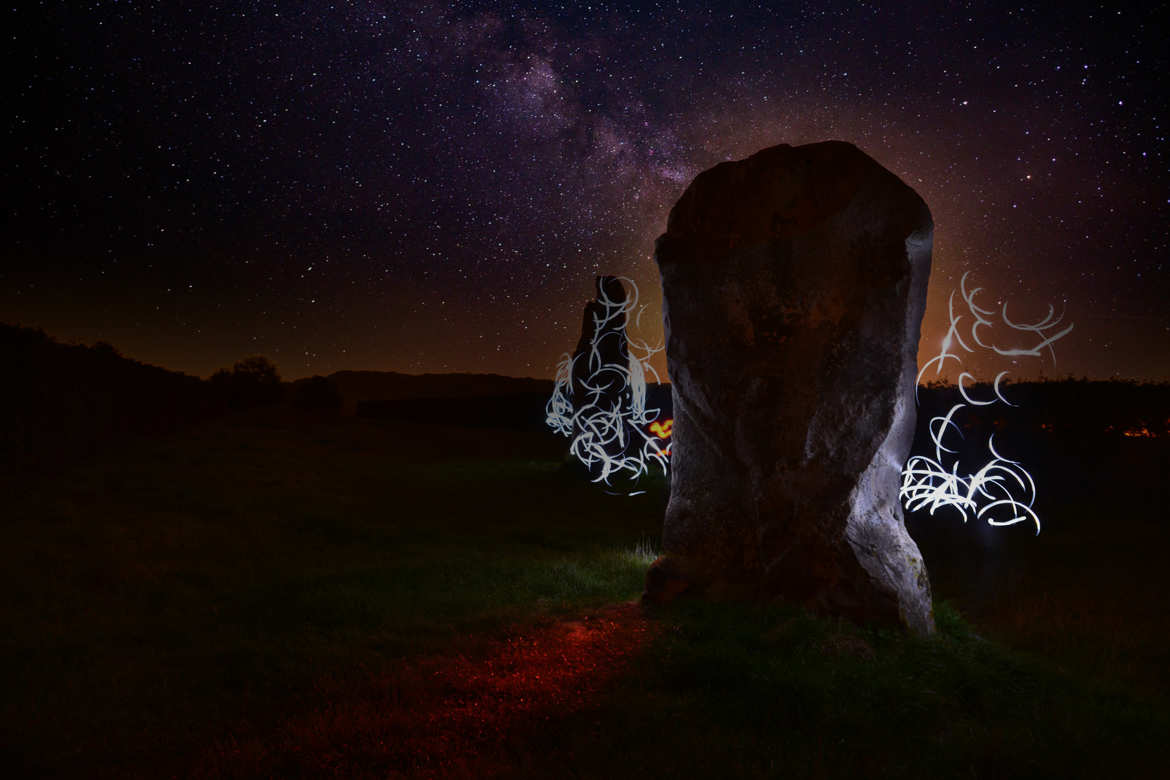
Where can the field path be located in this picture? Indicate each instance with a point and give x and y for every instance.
(459, 716)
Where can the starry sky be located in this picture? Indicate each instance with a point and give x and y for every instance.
(431, 187)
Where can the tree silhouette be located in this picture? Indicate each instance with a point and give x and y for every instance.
(253, 381)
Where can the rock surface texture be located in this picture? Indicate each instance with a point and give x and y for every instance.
(794, 285)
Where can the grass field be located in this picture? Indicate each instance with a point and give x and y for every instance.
(295, 597)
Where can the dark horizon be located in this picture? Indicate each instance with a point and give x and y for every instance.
(946, 381)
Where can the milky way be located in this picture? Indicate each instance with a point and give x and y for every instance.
(432, 187)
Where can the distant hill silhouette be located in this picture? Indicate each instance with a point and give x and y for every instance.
(1067, 408)
(466, 400)
(59, 402)
(358, 386)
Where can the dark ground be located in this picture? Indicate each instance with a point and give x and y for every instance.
(285, 594)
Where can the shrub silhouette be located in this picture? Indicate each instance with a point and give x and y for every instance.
(251, 382)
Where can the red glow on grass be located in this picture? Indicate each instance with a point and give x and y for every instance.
(460, 716)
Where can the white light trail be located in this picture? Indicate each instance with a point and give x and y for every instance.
(1002, 491)
(609, 431)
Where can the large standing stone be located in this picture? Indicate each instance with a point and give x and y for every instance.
(794, 285)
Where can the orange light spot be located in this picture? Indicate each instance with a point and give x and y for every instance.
(661, 429)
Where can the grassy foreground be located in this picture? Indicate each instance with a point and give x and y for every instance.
(182, 598)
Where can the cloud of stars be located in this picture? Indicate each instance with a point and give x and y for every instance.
(422, 186)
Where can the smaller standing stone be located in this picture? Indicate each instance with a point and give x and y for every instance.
(600, 376)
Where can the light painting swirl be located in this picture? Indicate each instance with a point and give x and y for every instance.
(611, 429)
(1001, 492)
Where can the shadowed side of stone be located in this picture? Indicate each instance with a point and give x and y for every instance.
(794, 286)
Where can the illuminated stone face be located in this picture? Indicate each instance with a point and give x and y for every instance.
(1001, 492)
(599, 396)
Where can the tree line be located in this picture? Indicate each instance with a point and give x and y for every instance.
(60, 402)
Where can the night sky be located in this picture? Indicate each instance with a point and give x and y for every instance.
(431, 187)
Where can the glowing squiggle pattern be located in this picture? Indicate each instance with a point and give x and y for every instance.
(610, 437)
(662, 428)
(1002, 492)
